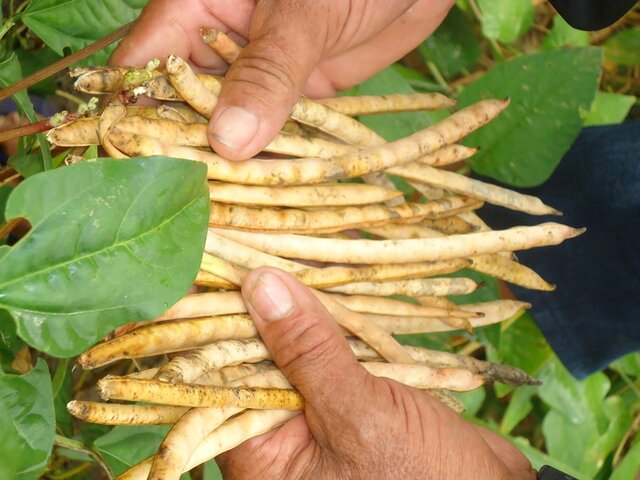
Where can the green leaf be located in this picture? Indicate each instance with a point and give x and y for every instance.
(111, 242)
(10, 73)
(10, 451)
(30, 404)
(548, 91)
(519, 407)
(211, 471)
(510, 351)
(624, 47)
(34, 60)
(10, 344)
(453, 47)
(416, 80)
(629, 467)
(27, 164)
(5, 190)
(619, 420)
(577, 416)
(472, 400)
(609, 109)
(538, 459)
(123, 447)
(506, 20)
(629, 364)
(564, 35)
(75, 24)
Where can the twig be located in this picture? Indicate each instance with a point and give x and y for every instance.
(65, 62)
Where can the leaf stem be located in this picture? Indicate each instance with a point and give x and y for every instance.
(65, 62)
(65, 442)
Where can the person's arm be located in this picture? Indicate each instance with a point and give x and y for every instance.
(592, 14)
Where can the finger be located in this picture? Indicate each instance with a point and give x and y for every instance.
(271, 454)
(304, 341)
(173, 27)
(264, 82)
(399, 38)
(513, 459)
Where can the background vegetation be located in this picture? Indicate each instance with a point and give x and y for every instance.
(559, 80)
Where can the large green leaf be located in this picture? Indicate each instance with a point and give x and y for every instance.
(506, 20)
(548, 92)
(624, 47)
(75, 24)
(564, 35)
(453, 47)
(111, 242)
(123, 447)
(609, 108)
(29, 402)
(579, 417)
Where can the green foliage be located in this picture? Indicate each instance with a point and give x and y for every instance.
(624, 47)
(453, 47)
(75, 24)
(211, 471)
(10, 343)
(10, 73)
(29, 404)
(506, 20)
(564, 35)
(547, 91)
(123, 447)
(609, 109)
(111, 242)
(10, 453)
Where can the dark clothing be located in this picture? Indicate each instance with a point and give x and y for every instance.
(592, 14)
(594, 315)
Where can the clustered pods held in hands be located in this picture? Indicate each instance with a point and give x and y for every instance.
(220, 388)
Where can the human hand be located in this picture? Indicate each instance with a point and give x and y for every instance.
(354, 425)
(294, 47)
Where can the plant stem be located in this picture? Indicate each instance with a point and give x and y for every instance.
(65, 442)
(69, 96)
(6, 27)
(24, 130)
(438, 76)
(65, 62)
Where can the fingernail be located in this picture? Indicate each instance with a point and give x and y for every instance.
(271, 298)
(235, 127)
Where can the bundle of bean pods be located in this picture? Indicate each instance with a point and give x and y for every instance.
(377, 262)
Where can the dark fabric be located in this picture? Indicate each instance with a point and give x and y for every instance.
(592, 14)
(593, 316)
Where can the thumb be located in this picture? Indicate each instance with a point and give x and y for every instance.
(262, 85)
(304, 341)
